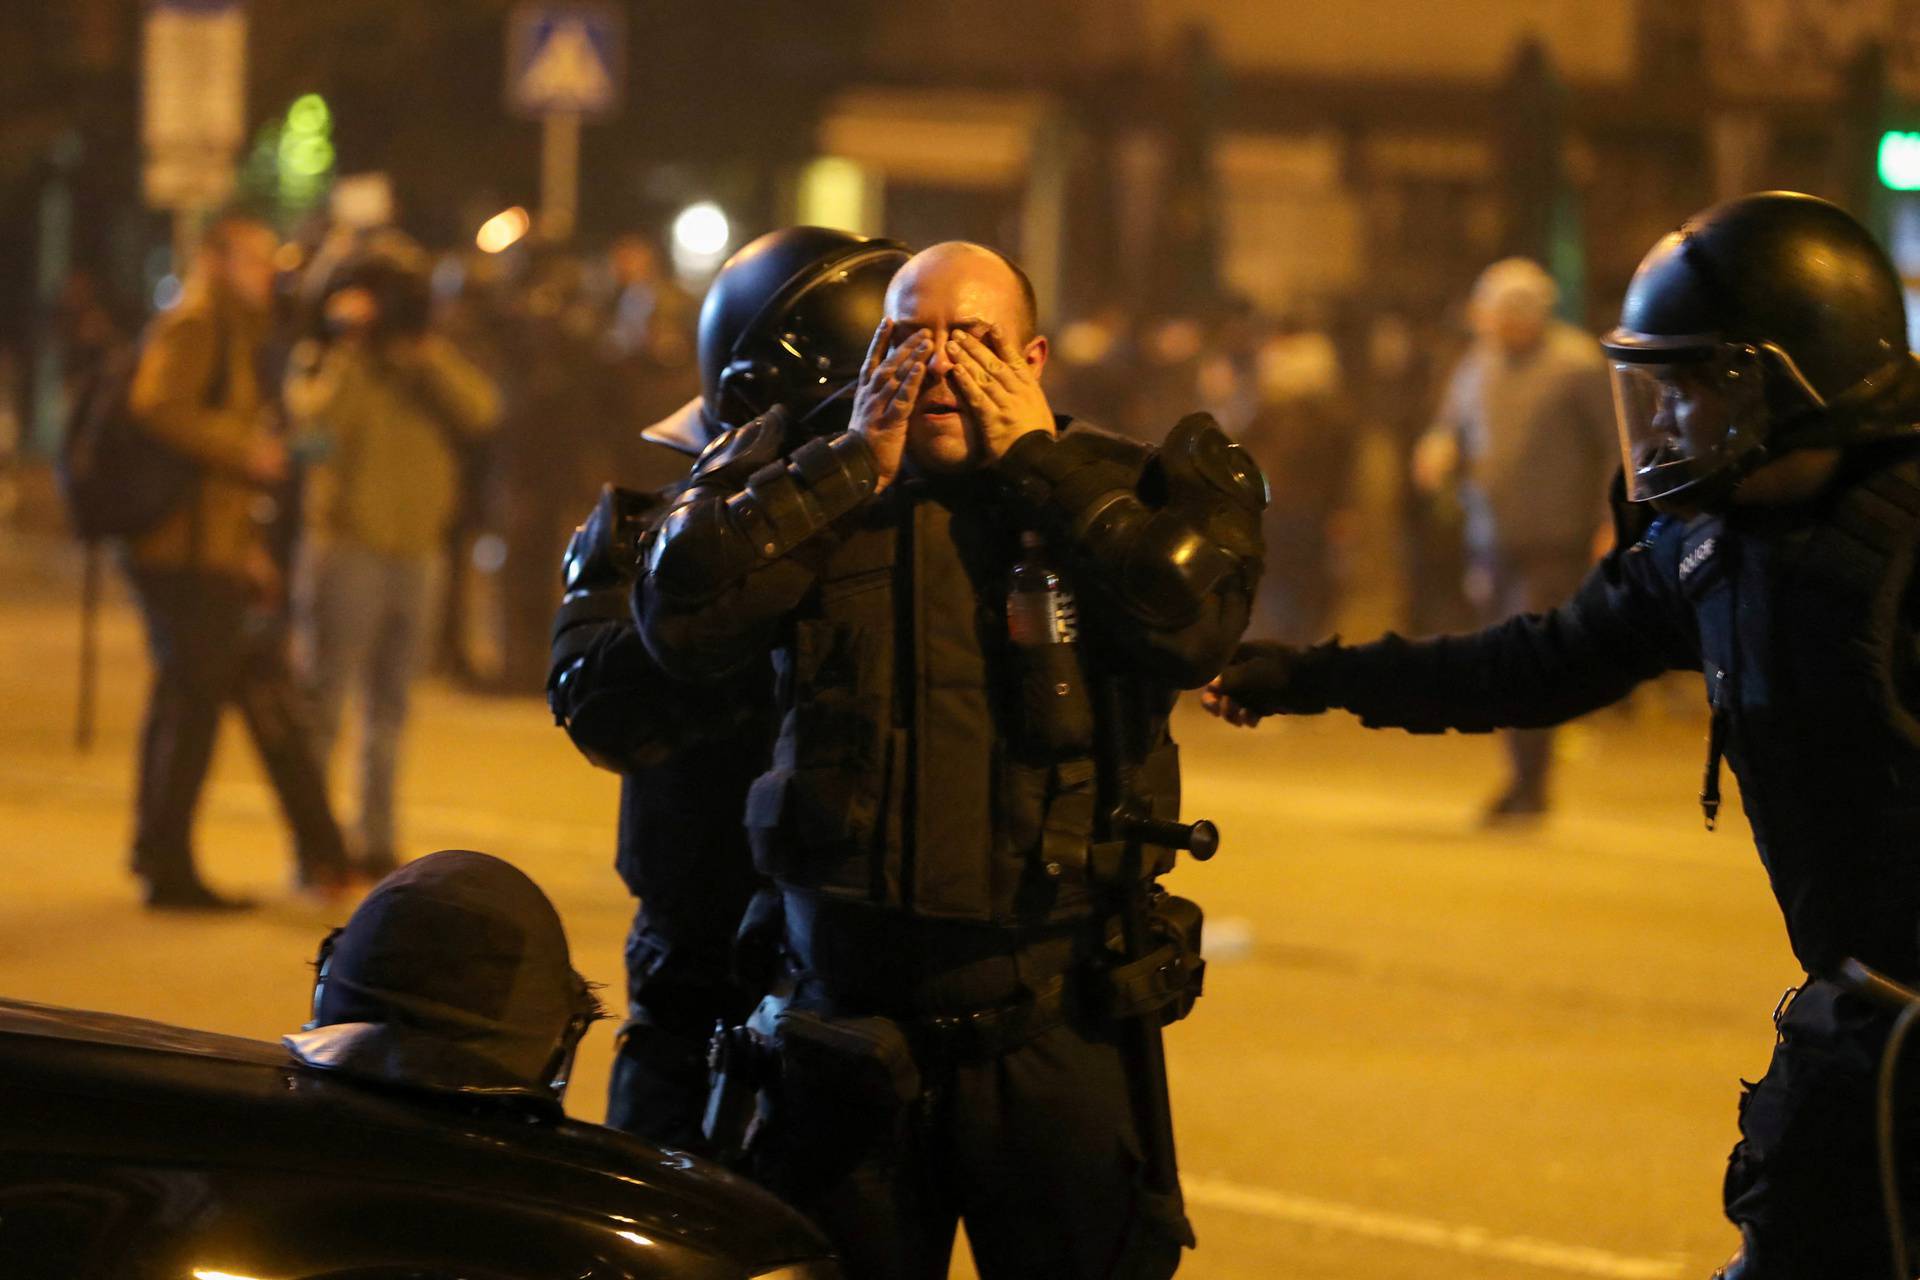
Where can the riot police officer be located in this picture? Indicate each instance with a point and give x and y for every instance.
(1769, 418)
(964, 597)
(784, 324)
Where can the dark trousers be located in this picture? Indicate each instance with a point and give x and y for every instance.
(1803, 1183)
(684, 855)
(1035, 1148)
(1530, 582)
(209, 649)
(680, 984)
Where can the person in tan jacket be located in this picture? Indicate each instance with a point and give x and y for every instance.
(206, 582)
(385, 406)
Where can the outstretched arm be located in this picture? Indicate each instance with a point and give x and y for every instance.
(1619, 629)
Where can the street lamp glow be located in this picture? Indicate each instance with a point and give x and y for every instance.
(1900, 160)
(503, 230)
(308, 156)
(701, 230)
(309, 114)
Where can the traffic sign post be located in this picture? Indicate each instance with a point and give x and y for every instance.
(193, 106)
(565, 64)
(559, 175)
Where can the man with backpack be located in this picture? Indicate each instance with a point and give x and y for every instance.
(204, 576)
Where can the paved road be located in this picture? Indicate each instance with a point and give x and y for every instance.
(1424, 1050)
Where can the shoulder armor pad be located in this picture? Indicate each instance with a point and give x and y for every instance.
(1091, 443)
(696, 553)
(734, 455)
(605, 549)
(1197, 455)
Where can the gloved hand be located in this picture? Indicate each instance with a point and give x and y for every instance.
(1259, 681)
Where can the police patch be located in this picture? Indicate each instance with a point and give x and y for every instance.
(1698, 558)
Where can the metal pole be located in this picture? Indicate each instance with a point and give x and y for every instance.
(89, 646)
(559, 174)
(54, 263)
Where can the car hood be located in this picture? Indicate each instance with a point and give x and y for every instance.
(151, 1091)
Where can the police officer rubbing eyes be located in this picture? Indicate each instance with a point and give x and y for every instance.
(934, 811)
(953, 378)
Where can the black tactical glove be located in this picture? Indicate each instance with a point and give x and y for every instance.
(1265, 678)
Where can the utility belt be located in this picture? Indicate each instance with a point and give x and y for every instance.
(828, 1057)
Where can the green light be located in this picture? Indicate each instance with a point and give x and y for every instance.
(1900, 160)
(307, 157)
(309, 114)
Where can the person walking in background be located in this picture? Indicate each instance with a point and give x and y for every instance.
(206, 581)
(1526, 430)
(384, 407)
(1300, 428)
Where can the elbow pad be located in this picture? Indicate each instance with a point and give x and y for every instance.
(1165, 536)
(712, 540)
(597, 572)
(1161, 566)
(604, 551)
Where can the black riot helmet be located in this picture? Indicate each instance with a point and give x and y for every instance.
(1765, 324)
(788, 320)
(453, 976)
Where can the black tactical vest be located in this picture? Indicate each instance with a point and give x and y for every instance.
(1805, 629)
(921, 765)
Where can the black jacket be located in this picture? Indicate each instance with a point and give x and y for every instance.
(1801, 619)
(912, 771)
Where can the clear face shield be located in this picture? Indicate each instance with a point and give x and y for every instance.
(1689, 417)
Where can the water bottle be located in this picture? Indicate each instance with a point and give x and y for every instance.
(1040, 606)
(1043, 622)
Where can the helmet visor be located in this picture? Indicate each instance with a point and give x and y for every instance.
(1686, 421)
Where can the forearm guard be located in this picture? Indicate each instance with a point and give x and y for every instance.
(601, 686)
(714, 538)
(1163, 542)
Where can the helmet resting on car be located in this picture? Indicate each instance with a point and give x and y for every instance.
(453, 976)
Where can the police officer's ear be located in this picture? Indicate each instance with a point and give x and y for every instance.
(1035, 354)
(1032, 353)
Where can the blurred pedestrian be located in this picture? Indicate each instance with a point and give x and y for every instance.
(384, 407)
(1097, 363)
(470, 307)
(1298, 425)
(647, 344)
(206, 581)
(1526, 429)
(556, 448)
(1406, 354)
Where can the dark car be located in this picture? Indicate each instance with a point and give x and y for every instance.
(132, 1150)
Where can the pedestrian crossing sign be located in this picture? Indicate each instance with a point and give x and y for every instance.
(565, 59)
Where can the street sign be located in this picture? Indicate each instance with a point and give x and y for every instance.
(193, 100)
(566, 59)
